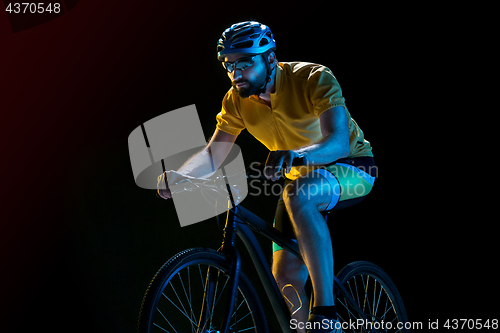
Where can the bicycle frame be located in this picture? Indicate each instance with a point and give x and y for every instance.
(242, 222)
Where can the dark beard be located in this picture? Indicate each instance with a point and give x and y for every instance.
(251, 88)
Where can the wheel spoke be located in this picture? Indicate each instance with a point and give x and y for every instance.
(246, 329)
(177, 295)
(222, 290)
(165, 320)
(375, 296)
(366, 301)
(214, 295)
(161, 328)
(357, 290)
(378, 300)
(347, 308)
(183, 312)
(189, 294)
(388, 311)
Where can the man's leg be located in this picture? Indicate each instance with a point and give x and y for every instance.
(304, 199)
(288, 269)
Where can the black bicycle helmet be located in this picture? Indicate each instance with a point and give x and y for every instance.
(245, 37)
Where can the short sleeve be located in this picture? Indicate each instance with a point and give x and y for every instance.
(324, 90)
(229, 119)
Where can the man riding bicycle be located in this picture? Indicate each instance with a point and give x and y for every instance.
(295, 109)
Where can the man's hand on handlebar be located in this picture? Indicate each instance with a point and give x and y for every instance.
(162, 188)
(174, 178)
(276, 160)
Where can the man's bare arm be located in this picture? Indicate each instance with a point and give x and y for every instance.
(202, 164)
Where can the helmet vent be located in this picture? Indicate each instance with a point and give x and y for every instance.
(242, 45)
(245, 37)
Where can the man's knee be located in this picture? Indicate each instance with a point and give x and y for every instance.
(296, 193)
(307, 192)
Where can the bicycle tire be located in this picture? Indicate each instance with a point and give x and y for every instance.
(385, 311)
(161, 308)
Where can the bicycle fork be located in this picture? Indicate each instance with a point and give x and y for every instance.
(233, 257)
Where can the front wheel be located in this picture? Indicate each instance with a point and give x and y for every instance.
(376, 295)
(180, 297)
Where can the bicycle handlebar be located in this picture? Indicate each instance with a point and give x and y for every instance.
(256, 171)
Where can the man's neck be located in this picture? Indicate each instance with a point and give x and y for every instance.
(271, 88)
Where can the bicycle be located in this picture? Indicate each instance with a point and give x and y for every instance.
(204, 290)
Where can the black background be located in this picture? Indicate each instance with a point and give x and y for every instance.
(80, 241)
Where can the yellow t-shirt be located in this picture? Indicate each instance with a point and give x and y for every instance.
(303, 92)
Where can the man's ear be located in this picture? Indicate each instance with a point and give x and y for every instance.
(272, 59)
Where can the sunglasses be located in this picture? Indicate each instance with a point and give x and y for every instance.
(240, 64)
